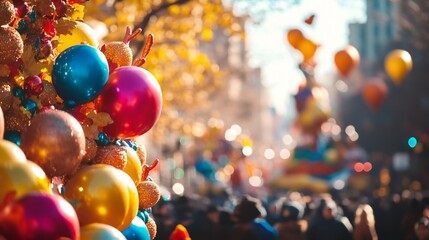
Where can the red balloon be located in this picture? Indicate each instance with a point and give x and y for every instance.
(374, 92)
(39, 216)
(133, 98)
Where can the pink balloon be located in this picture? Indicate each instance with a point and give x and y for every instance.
(39, 215)
(133, 98)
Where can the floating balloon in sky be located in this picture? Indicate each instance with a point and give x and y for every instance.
(308, 48)
(374, 92)
(398, 64)
(294, 36)
(346, 59)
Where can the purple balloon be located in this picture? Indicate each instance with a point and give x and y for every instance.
(39, 215)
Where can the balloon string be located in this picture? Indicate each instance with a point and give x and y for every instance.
(146, 50)
(147, 169)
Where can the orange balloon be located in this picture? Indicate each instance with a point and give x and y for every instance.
(397, 65)
(308, 48)
(346, 59)
(294, 36)
(374, 92)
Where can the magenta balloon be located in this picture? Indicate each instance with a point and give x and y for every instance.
(133, 98)
(39, 216)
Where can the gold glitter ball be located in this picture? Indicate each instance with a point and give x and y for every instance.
(16, 120)
(113, 155)
(6, 97)
(11, 45)
(90, 150)
(118, 53)
(141, 152)
(151, 226)
(7, 12)
(149, 194)
(48, 95)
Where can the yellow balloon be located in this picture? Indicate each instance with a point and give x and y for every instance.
(22, 177)
(398, 64)
(101, 194)
(133, 207)
(99, 231)
(82, 33)
(133, 167)
(10, 152)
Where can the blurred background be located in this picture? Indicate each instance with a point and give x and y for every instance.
(249, 110)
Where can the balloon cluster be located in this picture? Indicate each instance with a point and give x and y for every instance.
(69, 162)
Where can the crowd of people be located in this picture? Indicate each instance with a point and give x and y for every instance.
(295, 216)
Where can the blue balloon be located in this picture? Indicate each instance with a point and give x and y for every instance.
(80, 73)
(137, 230)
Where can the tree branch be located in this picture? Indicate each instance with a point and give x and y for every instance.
(144, 24)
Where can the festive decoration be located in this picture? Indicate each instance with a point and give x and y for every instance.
(141, 152)
(101, 194)
(133, 166)
(397, 65)
(149, 194)
(113, 155)
(119, 54)
(151, 226)
(90, 150)
(22, 178)
(307, 48)
(9, 153)
(137, 230)
(11, 45)
(346, 59)
(81, 33)
(54, 140)
(7, 12)
(99, 231)
(294, 36)
(139, 96)
(180, 233)
(374, 92)
(6, 97)
(80, 73)
(39, 215)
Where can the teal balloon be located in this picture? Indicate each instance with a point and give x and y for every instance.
(137, 230)
(80, 73)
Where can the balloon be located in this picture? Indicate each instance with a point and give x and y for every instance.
(308, 48)
(397, 65)
(54, 140)
(1, 123)
(99, 231)
(180, 233)
(133, 167)
(294, 36)
(137, 230)
(39, 216)
(22, 178)
(143, 215)
(133, 99)
(80, 73)
(346, 59)
(81, 33)
(374, 92)
(102, 194)
(133, 207)
(10, 152)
